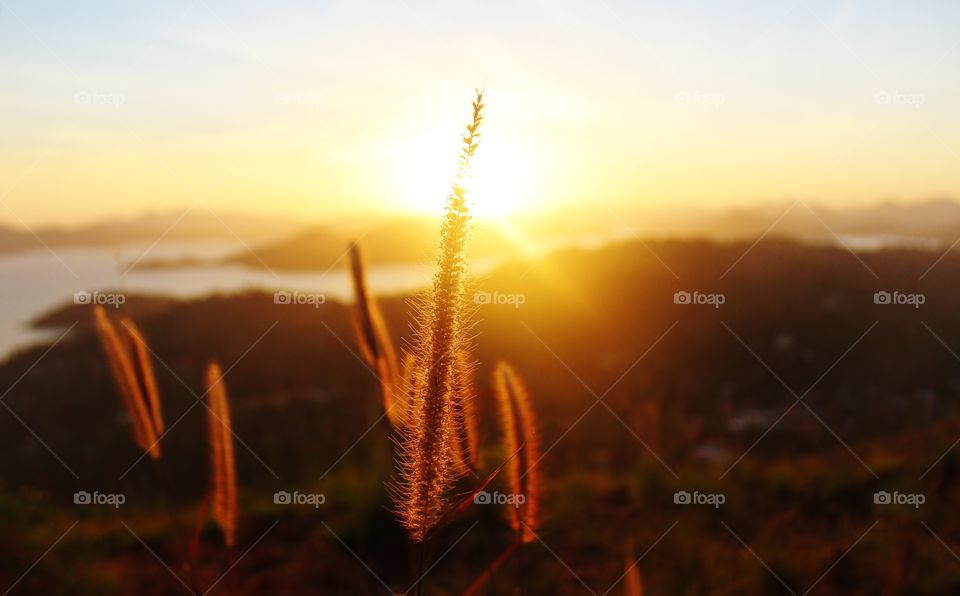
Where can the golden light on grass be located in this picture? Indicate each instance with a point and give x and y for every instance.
(428, 458)
(376, 347)
(129, 366)
(518, 424)
(223, 475)
(467, 438)
(407, 381)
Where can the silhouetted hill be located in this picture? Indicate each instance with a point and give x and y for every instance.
(934, 221)
(387, 242)
(795, 306)
(197, 224)
(405, 240)
(637, 396)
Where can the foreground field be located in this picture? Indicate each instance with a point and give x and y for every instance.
(796, 396)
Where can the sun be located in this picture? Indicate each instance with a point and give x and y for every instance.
(501, 182)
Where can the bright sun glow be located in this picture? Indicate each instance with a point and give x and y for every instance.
(502, 181)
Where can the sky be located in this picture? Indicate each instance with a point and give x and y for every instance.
(317, 110)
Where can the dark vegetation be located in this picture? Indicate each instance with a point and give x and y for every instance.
(676, 381)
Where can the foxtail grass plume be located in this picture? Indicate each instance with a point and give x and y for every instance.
(467, 437)
(375, 343)
(406, 382)
(428, 457)
(223, 475)
(518, 424)
(140, 356)
(129, 369)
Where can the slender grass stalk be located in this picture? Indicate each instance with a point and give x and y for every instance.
(223, 479)
(518, 425)
(487, 574)
(125, 376)
(375, 344)
(193, 550)
(632, 583)
(428, 442)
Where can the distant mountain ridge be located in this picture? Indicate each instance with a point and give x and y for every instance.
(399, 240)
(280, 243)
(392, 241)
(192, 225)
(933, 220)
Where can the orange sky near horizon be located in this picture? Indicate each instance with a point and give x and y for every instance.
(319, 111)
